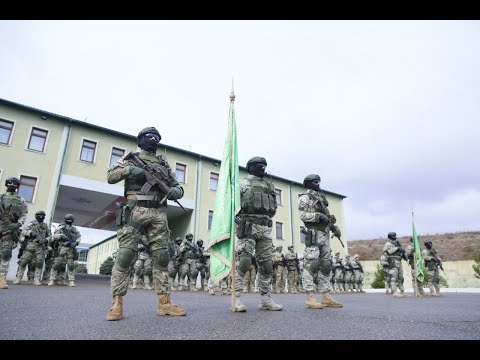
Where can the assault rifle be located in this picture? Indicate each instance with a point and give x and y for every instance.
(70, 239)
(437, 260)
(155, 177)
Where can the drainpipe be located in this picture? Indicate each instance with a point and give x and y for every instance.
(198, 184)
(55, 186)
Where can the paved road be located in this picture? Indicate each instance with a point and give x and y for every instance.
(60, 312)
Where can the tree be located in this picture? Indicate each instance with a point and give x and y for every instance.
(106, 267)
(378, 278)
(476, 266)
(81, 268)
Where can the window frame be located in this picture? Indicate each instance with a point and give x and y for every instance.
(29, 139)
(210, 180)
(10, 137)
(276, 232)
(94, 153)
(34, 193)
(112, 148)
(280, 196)
(185, 172)
(209, 220)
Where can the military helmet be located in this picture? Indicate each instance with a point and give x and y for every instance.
(69, 217)
(256, 160)
(279, 247)
(40, 212)
(189, 235)
(178, 239)
(200, 242)
(147, 130)
(356, 256)
(12, 179)
(337, 253)
(347, 256)
(290, 247)
(392, 235)
(311, 177)
(428, 243)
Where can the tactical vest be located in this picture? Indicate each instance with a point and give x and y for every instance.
(318, 204)
(134, 185)
(291, 261)
(41, 229)
(11, 204)
(260, 198)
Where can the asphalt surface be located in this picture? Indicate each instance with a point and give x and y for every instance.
(64, 313)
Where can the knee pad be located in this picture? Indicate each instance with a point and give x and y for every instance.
(71, 267)
(22, 263)
(244, 262)
(325, 267)
(147, 272)
(6, 254)
(162, 256)
(39, 264)
(265, 268)
(312, 266)
(124, 259)
(58, 266)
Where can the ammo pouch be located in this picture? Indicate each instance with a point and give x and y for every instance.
(310, 238)
(244, 229)
(431, 265)
(121, 214)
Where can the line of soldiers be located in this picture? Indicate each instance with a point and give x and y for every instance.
(347, 276)
(391, 261)
(45, 255)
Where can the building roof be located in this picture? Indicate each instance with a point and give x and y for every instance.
(134, 138)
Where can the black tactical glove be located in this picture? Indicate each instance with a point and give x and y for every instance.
(322, 218)
(14, 226)
(174, 193)
(336, 231)
(137, 172)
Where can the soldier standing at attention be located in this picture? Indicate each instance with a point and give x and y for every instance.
(395, 253)
(254, 232)
(386, 272)
(146, 215)
(13, 213)
(292, 264)
(314, 213)
(409, 252)
(432, 262)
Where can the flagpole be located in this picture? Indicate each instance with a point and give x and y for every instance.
(232, 211)
(415, 289)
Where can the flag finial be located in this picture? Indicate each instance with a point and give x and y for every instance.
(232, 93)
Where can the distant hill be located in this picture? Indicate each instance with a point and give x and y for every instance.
(449, 246)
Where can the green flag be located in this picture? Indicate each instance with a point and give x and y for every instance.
(418, 254)
(227, 205)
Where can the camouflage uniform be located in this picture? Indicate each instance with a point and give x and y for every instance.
(386, 272)
(201, 264)
(433, 273)
(145, 216)
(393, 251)
(67, 253)
(13, 213)
(175, 265)
(292, 264)
(357, 273)
(299, 277)
(338, 273)
(312, 207)
(279, 263)
(36, 236)
(409, 252)
(190, 252)
(144, 262)
(348, 275)
(254, 233)
(250, 276)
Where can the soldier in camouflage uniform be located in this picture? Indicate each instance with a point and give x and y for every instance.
(13, 213)
(318, 222)
(144, 262)
(250, 276)
(201, 264)
(254, 232)
(292, 264)
(432, 262)
(358, 275)
(279, 264)
(409, 252)
(36, 236)
(386, 272)
(300, 274)
(337, 273)
(190, 252)
(65, 239)
(175, 265)
(347, 274)
(395, 253)
(146, 216)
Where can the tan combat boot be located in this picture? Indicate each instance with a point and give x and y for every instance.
(37, 282)
(146, 281)
(266, 303)
(193, 287)
(312, 302)
(71, 283)
(116, 311)
(166, 307)
(211, 292)
(3, 282)
(18, 280)
(239, 307)
(134, 281)
(51, 282)
(327, 301)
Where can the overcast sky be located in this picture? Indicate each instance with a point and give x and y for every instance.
(386, 112)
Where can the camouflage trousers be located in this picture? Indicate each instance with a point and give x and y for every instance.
(396, 274)
(259, 240)
(189, 269)
(338, 276)
(6, 246)
(387, 278)
(278, 280)
(315, 269)
(249, 280)
(151, 223)
(417, 283)
(143, 264)
(434, 280)
(34, 257)
(348, 280)
(358, 279)
(173, 270)
(65, 256)
(292, 281)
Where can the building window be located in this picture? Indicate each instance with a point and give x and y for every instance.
(302, 235)
(180, 171)
(279, 230)
(210, 217)
(116, 155)
(27, 187)
(278, 196)
(6, 128)
(88, 151)
(82, 256)
(213, 181)
(38, 139)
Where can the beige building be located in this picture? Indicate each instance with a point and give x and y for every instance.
(62, 165)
